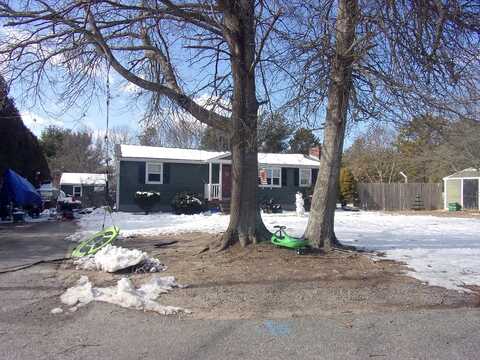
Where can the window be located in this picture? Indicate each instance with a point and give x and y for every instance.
(270, 177)
(305, 177)
(154, 173)
(77, 191)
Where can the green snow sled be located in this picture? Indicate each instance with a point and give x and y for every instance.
(280, 238)
(96, 242)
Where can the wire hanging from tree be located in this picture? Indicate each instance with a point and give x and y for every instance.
(107, 155)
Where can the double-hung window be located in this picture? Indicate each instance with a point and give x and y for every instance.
(270, 177)
(305, 177)
(154, 173)
(77, 191)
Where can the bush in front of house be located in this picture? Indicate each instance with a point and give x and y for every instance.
(147, 200)
(187, 203)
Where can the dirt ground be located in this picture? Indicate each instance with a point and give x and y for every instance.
(269, 282)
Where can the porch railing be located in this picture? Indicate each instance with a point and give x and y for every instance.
(212, 191)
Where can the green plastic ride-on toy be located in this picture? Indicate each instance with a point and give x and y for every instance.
(96, 242)
(280, 238)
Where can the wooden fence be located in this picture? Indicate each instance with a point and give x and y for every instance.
(399, 196)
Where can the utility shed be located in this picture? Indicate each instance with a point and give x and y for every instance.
(463, 187)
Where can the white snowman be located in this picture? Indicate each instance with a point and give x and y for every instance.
(299, 204)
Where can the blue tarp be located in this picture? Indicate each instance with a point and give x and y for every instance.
(18, 190)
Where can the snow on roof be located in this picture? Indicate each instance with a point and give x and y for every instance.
(465, 173)
(151, 152)
(286, 159)
(83, 178)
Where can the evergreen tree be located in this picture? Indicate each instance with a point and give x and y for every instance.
(72, 151)
(303, 140)
(51, 140)
(214, 140)
(273, 132)
(19, 148)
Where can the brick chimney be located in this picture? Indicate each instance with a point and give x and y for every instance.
(315, 151)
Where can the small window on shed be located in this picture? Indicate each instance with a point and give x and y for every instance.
(154, 173)
(77, 191)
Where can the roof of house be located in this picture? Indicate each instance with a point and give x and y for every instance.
(465, 173)
(82, 178)
(191, 155)
(287, 159)
(153, 152)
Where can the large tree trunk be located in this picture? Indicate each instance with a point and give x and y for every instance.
(246, 225)
(320, 231)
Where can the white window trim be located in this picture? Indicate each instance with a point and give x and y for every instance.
(279, 179)
(73, 190)
(147, 164)
(300, 178)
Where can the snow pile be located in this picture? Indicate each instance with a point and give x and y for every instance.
(113, 258)
(147, 193)
(80, 294)
(124, 294)
(299, 204)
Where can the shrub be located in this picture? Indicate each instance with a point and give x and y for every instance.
(187, 203)
(146, 200)
(347, 186)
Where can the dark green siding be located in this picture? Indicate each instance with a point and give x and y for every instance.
(90, 197)
(177, 178)
(67, 189)
(193, 177)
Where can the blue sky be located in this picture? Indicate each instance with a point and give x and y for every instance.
(123, 110)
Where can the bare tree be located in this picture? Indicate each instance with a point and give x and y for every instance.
(383, 61)
(320, 230)
(373, 157)
(3, 92)
(149, 43)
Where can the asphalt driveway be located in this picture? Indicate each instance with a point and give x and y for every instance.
(30, 242)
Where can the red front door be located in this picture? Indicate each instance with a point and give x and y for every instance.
(226, 181)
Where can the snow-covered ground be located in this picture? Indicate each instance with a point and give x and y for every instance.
(441, 251)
